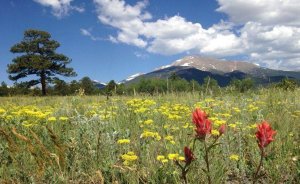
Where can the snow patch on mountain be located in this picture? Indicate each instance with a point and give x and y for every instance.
(213, 66)
(133, 76)
(96, 81)
(163, 67)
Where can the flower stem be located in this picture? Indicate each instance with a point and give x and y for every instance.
(207, 163)
(255, 177)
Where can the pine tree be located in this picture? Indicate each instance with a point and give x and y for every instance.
(37, 56)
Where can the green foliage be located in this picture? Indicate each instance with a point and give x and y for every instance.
(242, 85)
(110, 88)
(37, 56)
(88, 86)
(287, 84)
(4, 91)
(60, 87)
(211, 85)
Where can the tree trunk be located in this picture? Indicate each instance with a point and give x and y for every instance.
(43, 82)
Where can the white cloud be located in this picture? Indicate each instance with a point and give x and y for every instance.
(140, 55)
(265, 31)
(129, 19)
(60, 8)
(167, 36)
(87, 32)
(268, 12)
(272, 46)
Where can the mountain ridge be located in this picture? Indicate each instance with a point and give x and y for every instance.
(198, 67)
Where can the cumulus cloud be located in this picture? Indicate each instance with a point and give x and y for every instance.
(60, 8)
(129, 19)
(265, 31)
(267, 12)
(270, 30)
(272, 46)
(166, 36)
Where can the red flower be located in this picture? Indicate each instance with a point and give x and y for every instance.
(264, 134)
(189, 156)
(203, 125)
(199, 116)
(222, 129)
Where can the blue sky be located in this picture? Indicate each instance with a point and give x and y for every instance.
(113, 39)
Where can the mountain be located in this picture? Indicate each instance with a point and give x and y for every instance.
(99, 85)
(197, 68)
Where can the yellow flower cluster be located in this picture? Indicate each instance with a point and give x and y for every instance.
(155, 135)
(139, 105)
(129, 157)
(162, 159)
(175, 156)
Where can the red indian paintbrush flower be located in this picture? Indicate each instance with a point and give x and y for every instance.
(222, 129)
(203, 125)
(264, 134)
(189, 156)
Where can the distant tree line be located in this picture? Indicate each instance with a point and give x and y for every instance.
(147, 86)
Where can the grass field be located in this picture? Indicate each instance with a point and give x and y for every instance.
(85, 139)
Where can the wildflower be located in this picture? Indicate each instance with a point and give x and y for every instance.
(164, 161)
(129, 157)
(169, 138)
(199, 116)
(186, 125)
(264, 134)
(160, 157)
(222, 129)
(181, 158)
(63, 118)
(232, 125)
(173, 156)
(2, 111)
(123, 141)
(217, 122)
(52, 119)
(150, 134)
(172, 142)
(203, 125)
(189, 156)
(215, 132)
(148, 122)
(234, 157)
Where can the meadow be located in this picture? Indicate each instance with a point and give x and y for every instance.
(141, 139)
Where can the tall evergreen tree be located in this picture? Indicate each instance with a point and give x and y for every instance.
(38, 57)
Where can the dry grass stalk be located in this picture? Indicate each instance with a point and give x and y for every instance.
(33, 151)
(11, 143)
(59, 147)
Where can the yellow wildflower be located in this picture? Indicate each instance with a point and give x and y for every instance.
(160, 157)
(173, 156)
(215, 132)
(234, 157)
(232, 125)
(148, 122)
(123, 141)
(63, 118)
(52, 119)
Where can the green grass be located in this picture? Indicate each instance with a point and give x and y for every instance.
(83, 148)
